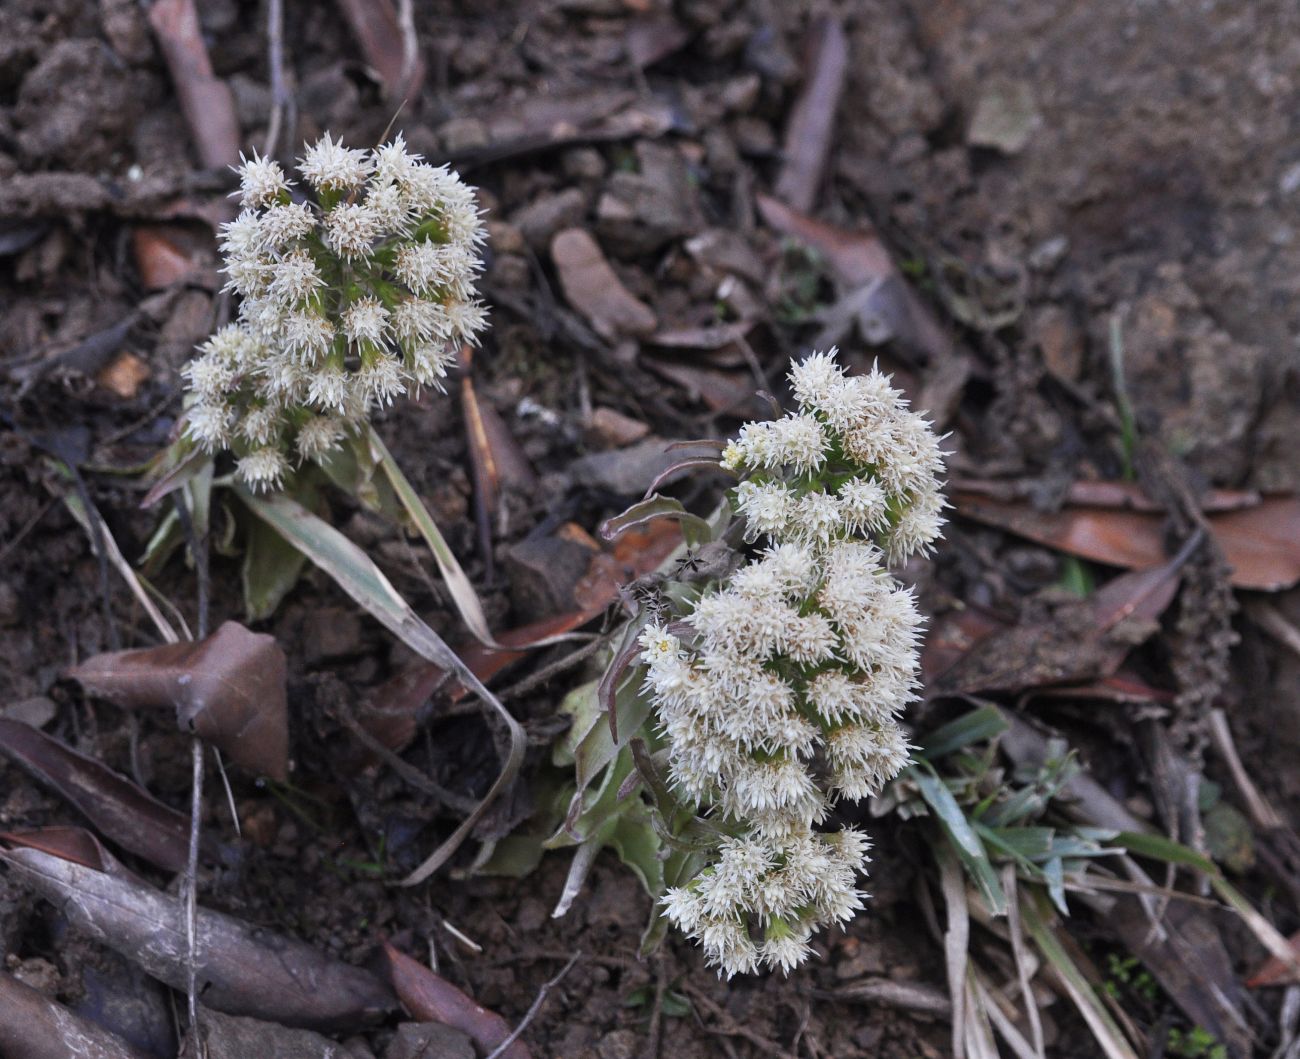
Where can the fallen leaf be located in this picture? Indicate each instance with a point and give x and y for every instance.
(122, 812)
(124, 375)
(167, 254)
(228, 688)
(241, 969)
(884, 302)
(812, 118)
(206, 101)
(69, 843)
(652, 38)
(375, 26)
(1128, 495)
(431, 998)
(32, 1026)
(239, 1037)
(1261, 543)
(1083, 643)
(1274, 972)
(591, 287)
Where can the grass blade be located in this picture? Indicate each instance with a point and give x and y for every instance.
(1084, 997)
(457, 582)
(361, 579)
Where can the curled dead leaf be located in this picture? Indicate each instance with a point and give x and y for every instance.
(432, 998)
(35, 1027)
(120, 810)
(228, 688)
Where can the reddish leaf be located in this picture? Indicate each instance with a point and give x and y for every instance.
(122, 812)
(431, 998)
(1107, 495)
(206, 100)
(228, 688)
(242, 969)
(70, 843)
(1261, 543)
(32, 1026)
(812, 118)
(1274, 972)
(166, 254)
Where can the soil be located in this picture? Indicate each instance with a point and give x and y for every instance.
(1125, 175)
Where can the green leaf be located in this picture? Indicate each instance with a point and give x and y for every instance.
(974, 727)
(961, 834)
(1158, 847)
(695, 530)
(361, 579)
(271, 567)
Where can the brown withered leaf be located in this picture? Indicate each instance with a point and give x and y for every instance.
(591, 286)
(389, 712)
(206, 100)
(237, 1037)
(166, 254)
(812, 118)
(69, 843)
(122, 812)
(375, 26)
(35, 1027)
(1083, 642)
(431, 998)
(228, 688)
(866, 275)
(1261, 542)
(1274, 972)
(242, 969)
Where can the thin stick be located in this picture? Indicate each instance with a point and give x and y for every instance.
(417, 779)
(504, 1046)
(192, 883)
(1266, 818)
(282, 106)
(410, 43)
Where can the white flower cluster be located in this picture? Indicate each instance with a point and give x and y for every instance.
(780, 693)
(347, 301)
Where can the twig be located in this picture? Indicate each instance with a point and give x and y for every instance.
(542, 993)
(1273, 622)
(409, 773)
(282, 105)
(554, 669)
(1266, 818)
(657, 1012)
(729, 1027)
(410, 43)
(192, 883)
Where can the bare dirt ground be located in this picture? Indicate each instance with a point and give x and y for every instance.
(1055, 180)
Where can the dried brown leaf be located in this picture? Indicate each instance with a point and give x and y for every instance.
(591, 286)
(206, 101)
(375, 26)
(1261, 543)
(241, 969)
(228, 688)
(32, 1026)
(812, 118)
(884, 302)
(431, 998)
(121, 811)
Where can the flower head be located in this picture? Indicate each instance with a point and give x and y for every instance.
(346, 302)
(786, 695)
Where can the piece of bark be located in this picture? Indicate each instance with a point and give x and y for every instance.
(812, 119)
(32, 1026)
